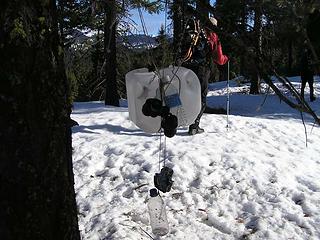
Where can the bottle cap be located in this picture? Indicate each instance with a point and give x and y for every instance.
(153, 192)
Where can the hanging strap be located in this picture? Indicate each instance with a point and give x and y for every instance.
(194, 41)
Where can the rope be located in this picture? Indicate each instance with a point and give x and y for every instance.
(163, 89)
(162, 150)
(157, 72)
(145, 32)
(160, 147)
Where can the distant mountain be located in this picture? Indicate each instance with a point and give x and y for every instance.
(138, 41)
(133, 41)
(75, 36)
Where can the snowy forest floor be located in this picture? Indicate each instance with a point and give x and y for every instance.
(255, 180)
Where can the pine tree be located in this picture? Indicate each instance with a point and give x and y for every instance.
(164, 52)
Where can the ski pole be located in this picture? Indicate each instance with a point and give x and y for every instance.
(228, 95)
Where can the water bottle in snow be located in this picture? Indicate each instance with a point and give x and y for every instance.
(157, 213)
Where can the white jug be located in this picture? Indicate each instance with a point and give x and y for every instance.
(181, 87)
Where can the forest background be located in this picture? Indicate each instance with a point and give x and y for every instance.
(276, 30)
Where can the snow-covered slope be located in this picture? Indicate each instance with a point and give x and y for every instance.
(254, 180)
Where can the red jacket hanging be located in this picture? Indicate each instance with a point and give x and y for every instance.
(216, 48)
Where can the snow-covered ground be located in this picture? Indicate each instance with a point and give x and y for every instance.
(254, 180)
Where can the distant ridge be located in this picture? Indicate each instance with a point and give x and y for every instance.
(133, 41)
(139, 41)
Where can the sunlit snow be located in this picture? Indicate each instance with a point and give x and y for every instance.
(258, 179)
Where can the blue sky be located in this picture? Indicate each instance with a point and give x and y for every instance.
(153, 22)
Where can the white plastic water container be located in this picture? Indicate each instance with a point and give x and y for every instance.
(181, 86)
(157, 213)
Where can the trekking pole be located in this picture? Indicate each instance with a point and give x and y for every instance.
(228, 95)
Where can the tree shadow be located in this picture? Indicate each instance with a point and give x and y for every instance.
(96, 107)
(93, 129)
(260, 106)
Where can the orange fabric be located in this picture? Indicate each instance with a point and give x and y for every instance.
(216, 48)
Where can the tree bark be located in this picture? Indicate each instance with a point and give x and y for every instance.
(243, 32)
(111, 93)
(36, 177)
(255, 77)
(290, 55)
(177, 19)
(201, 7)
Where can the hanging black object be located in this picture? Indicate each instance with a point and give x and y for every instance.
(169, 122)
(163, 180)
(152, 107)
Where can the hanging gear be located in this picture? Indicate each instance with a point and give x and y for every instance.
(169, 123)
(197, 44)
(152, 107)
(194, 44)
(190, 38)
(163, 180)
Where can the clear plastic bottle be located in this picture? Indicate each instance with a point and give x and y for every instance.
(157, 212)
(172, 96)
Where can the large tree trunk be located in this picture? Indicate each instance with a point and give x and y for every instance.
(243, 32)
(112, 96)
(178, 8)
(255, 77)
(36, 178)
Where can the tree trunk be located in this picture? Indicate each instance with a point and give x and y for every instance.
(37, 193)
(60, 19)
(243, 33)
(111, 95)
(202, 9)
(177, 19)
(255, 77)
(290, 58)
(96, 60)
